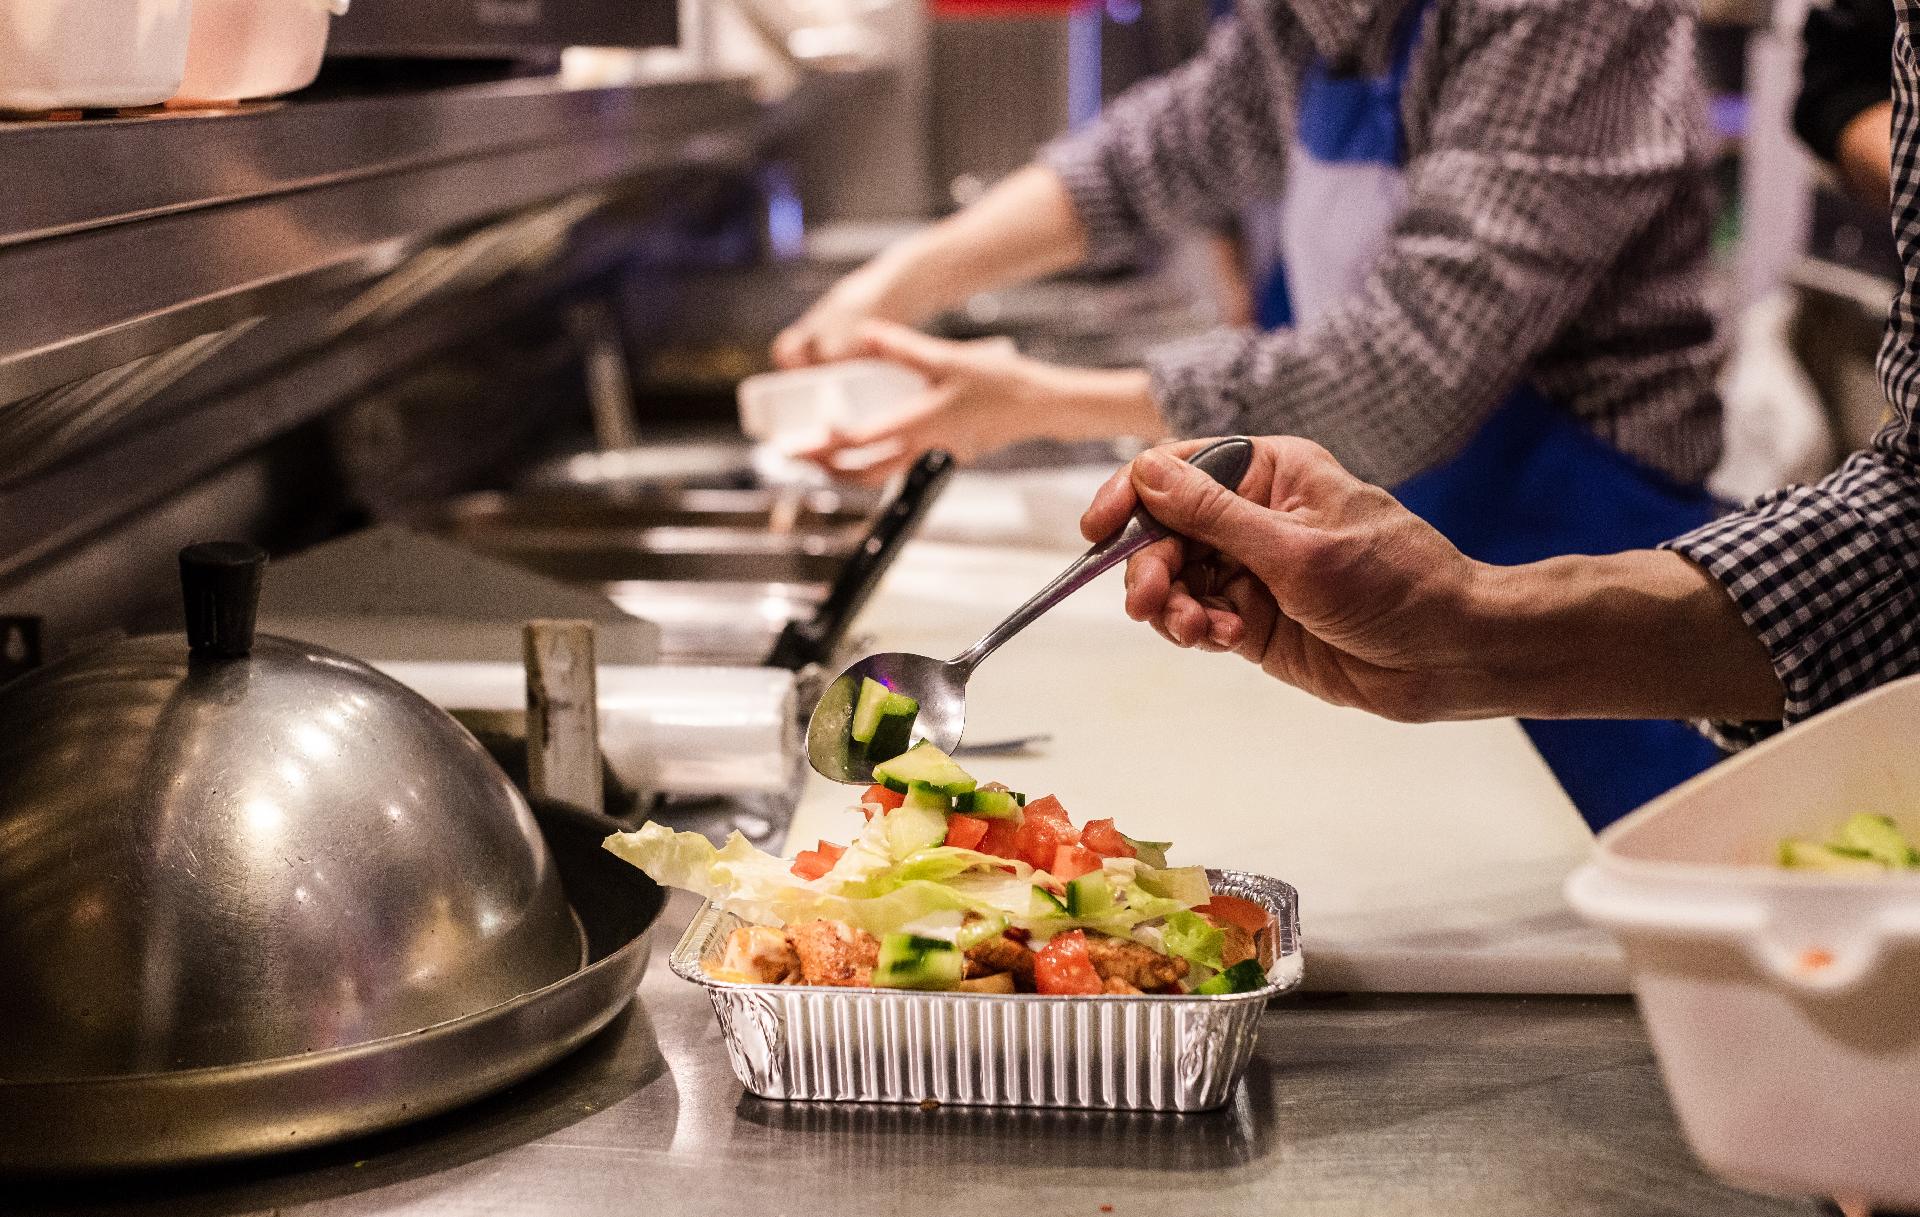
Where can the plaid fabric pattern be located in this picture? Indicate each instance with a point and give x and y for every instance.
(1556, 228)
(1829, 575)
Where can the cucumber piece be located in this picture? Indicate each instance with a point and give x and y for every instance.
(991, 804)
(911, 829)
(1089, 895)
(1243, 977)
(1046, 904)
(919, 794)
(893, 784)
(1878, 837)
(893, 732)
(1839, 860)
(866, 710)
(926, 763)
(909, 961)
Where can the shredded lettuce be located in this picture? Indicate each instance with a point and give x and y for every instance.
(1185, 884)
(885, 883)
(760, 888)
(1194, 939)
(1152, 853)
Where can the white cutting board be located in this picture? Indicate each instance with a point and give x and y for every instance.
(1428, 858)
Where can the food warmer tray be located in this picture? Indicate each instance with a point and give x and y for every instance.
(124, 1122)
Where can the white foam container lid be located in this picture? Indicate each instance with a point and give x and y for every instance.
(1784, 1005)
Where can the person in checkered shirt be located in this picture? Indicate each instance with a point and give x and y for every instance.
(1804, 599)
(1481, 231)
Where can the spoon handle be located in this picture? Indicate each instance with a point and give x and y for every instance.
(1226, 462)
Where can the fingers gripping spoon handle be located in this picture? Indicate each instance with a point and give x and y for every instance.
(941, 686)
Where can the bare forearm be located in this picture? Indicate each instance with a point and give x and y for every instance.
(1643, 634)
(1096, 403)
(1866, 155)
(1022, 229)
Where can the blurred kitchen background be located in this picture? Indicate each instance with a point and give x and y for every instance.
(488, 286)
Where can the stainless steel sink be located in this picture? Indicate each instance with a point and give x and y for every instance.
(720, 571)
(770, 511)
(710, 622)
(647, 555)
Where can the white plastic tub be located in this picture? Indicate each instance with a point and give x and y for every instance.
(796, 410)
(245, 49)
(1784, 1005)
(90, 54)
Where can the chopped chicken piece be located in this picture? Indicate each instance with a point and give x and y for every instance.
(761, 955)
(999, 982)
(1115, 985)
(834, 953)
(1002, 954)
(1238, 944)
(1142, 967)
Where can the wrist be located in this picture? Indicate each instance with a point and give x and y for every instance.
(1096, 403)
(1641, 634)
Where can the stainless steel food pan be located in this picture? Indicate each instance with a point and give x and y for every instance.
(1119, 1053)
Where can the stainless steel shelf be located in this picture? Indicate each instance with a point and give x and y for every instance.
(122, 237)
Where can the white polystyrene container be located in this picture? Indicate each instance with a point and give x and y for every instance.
(1784, 1005)
(796, 410)
(244, 49)
(91, 54)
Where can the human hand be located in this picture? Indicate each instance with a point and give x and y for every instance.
(829, 331)
(980, 396)
(1325, 582)
(1329, 584)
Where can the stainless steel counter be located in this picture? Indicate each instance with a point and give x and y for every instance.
(1363, 1106)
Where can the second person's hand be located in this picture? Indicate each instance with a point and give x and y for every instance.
(982, 396)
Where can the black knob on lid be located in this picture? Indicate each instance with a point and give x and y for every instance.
(220, 581)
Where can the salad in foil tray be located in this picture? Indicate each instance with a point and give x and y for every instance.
(953, 885)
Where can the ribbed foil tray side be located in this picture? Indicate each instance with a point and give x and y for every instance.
(1135, 1053)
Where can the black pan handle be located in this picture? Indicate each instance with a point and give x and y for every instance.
(812, 640)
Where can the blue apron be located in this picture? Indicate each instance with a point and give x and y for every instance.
(1533, 483)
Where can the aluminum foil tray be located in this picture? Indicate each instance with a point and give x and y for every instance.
(1118, 1053)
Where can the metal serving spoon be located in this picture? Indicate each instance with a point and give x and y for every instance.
(941, 686)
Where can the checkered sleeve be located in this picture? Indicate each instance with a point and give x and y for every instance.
(1828, 575)
(1184, 150)
(1563, 134)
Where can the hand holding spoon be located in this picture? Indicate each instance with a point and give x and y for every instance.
(941, 686)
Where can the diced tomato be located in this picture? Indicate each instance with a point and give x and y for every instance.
(1063, 966)
(1043, 830)
(1001, 840)
(1047, 808)
(965, 832)
(1232, 910)
(889, 799)
(813, 863)
(1072, 861)
(1104, 839)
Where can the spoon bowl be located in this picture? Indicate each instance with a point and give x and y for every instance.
(940, 686)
